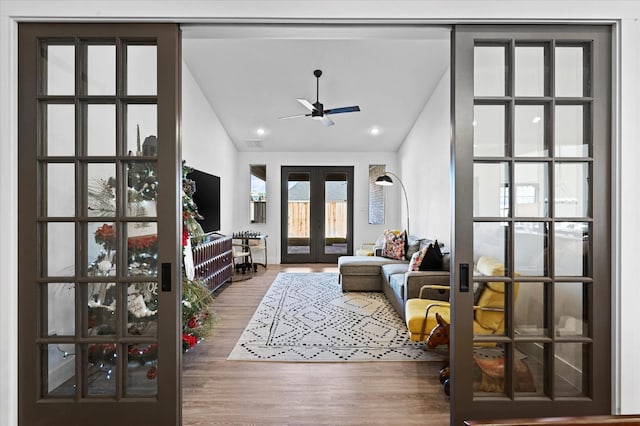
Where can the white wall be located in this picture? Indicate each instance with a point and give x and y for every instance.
(206, 145)
(626, 204)
(424, 160)
(363, 232)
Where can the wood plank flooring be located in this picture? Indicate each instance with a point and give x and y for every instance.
(216, 391)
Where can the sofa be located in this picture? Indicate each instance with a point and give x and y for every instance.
(391, 276)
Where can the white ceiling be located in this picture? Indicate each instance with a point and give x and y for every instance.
(251, 75)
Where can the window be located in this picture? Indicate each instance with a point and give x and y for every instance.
(258, 195)
(376, 195)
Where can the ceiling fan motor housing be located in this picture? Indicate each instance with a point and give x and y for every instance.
(318, 110)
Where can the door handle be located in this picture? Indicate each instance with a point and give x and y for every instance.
(165, 279)
(464, 277)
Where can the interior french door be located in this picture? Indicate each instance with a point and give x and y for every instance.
(99, 220)
(317, 213)
(532, 184)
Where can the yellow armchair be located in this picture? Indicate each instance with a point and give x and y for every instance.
(488, 309)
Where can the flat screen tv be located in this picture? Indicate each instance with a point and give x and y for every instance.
(207, 198)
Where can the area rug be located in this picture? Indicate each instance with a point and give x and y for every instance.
(305, 317)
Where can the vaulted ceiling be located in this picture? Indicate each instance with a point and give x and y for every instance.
(251, 75)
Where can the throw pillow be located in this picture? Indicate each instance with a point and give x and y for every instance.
(413, 245)
(394, 245)
(432, 260)
(416, 259)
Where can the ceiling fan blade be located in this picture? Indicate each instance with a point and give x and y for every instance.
(305, 103)
(294, 116)
(342, 109)
(327, 121)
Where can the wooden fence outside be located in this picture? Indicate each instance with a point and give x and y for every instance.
(335, 219)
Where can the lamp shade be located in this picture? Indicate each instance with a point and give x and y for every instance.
(384, 180)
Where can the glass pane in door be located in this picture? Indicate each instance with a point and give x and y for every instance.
(58, 364)
(60, 130)
(61, 306)
(531, 189)
(530, 253)
(569, 71)
(572, 368)
(569, 131)
(530, 369)
(101, 129)
(489, 66)
(61, 189)
(142, 369)
(488, 130)
(59, 67)
(299, 213)
(571, 317)
(335, 217)
(530, 69)
(491, 189)
(60, 243)
(100, 373)
(142, 74)
(571, 189)
(142, 130)
(529, 314)
(101, 69)
(529, 129)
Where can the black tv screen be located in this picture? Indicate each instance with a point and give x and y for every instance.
(207, 198)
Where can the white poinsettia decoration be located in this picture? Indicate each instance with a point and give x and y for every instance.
(105, 266)
(138, 308)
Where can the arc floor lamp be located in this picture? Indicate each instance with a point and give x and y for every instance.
(385, 180)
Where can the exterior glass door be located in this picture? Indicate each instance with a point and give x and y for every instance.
(99, 170)
(531, 317)
(317, 219)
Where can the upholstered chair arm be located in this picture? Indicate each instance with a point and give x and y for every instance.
(416, 280)
(431, 287)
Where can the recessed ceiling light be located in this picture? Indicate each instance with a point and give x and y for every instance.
(260, 131)
(374, 131)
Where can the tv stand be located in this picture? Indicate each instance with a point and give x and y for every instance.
(212, 260)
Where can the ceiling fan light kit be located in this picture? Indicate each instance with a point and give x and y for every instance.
(317, 111)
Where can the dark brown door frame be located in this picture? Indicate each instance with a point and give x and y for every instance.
(597, 380)
(317, 219)
(33, 407)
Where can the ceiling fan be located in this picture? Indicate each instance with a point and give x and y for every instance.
(317, 111)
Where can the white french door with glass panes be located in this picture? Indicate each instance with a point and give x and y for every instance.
(99, 220)
(532, 222)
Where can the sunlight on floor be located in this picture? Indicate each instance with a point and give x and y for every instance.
(320, 267)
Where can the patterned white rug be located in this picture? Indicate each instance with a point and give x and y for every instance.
(305, 317)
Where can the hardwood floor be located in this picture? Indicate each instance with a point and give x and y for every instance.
(216, 391)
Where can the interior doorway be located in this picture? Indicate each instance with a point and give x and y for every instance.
(316, 213)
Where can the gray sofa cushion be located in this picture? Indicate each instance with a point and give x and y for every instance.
(394, 268)
(396, 282)
(365, 265)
